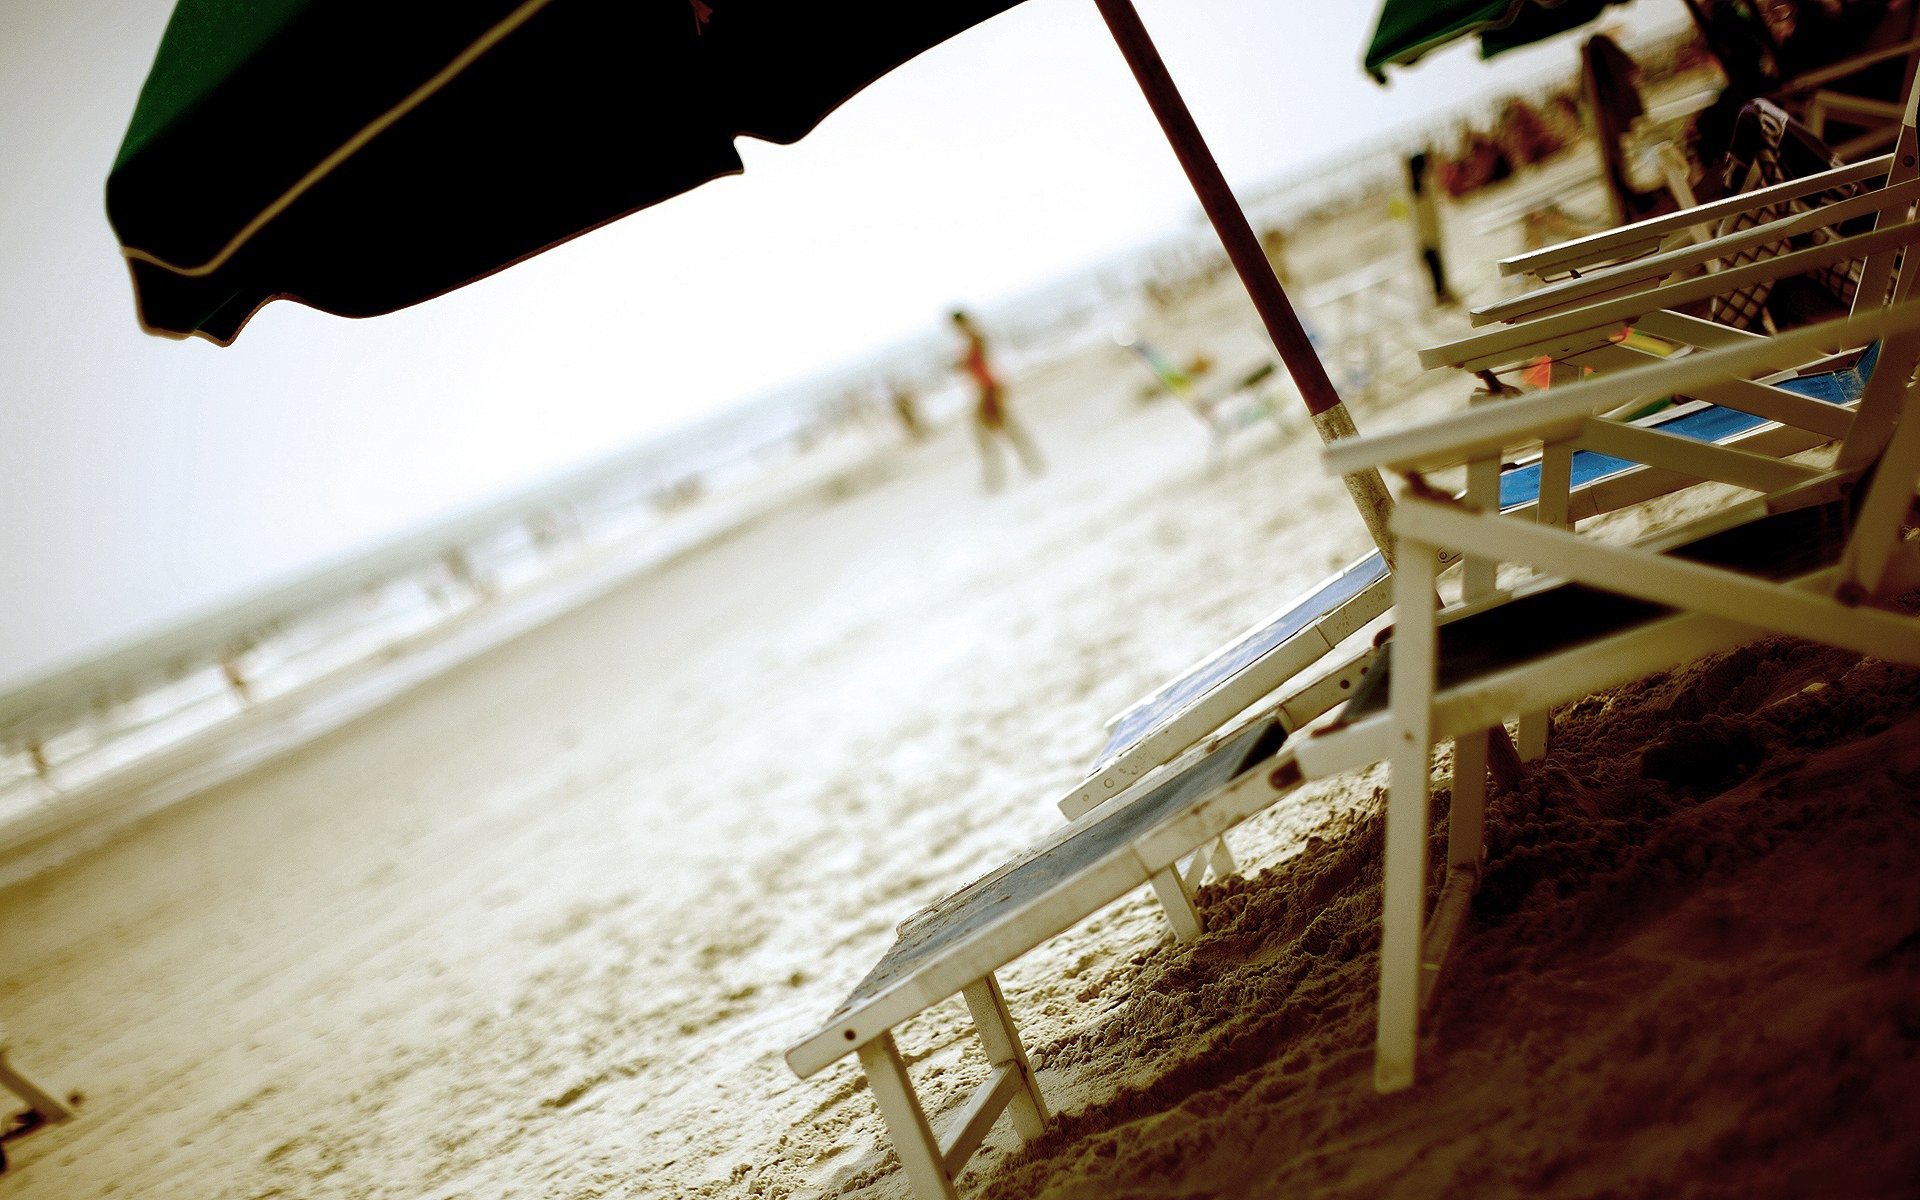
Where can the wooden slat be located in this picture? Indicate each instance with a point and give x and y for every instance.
(1701, 460)
(976, 1118)
(1492, 428)
(1645, 273)
(1507, 345)
(1599, 247)
(1443, 928)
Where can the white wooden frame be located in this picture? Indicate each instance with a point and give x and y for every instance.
(931, 1160)
(1664, 232)
(1664, 463)
(1606, 258)
(1714, 608)
(1591, 326)
(48, 1108)
(1643, 274)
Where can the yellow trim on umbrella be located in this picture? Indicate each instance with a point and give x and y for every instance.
(351, 146)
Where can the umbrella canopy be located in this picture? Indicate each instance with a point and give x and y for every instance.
(360, 156)
(1408, 29)
(359, 160)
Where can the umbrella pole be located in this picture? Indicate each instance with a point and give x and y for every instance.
(1329, 411)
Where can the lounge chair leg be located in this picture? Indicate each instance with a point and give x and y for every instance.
(1002, 1041)
(1556, 475)
(913, 1138)
(1222, 860)
(1535, 731)
(1466, 815)
(44, 1104)
(1397, 1034)
(1177, 904)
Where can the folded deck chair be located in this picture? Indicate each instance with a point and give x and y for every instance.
(1756, 201)
(1792, 192)
(1788, 412)
(1581, 321)
(1776, 415)
(1814, 557)
(958, 944)
(1608, 247)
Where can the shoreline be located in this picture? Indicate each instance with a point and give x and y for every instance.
(106, 806)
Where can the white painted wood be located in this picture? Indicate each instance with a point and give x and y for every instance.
(1684, 585)
(1221, 857)
(1479, 573)
(1443, 929)
(1556, 471)
(1466, 813)
(1403, 910)
(987, 949)
(1778, 404)
(1001, 1040)
(1695, 331)
(1644, 273)
(1904, 163)
(1701, 460)
(1252, 793)
(1182, 917)
(1533, 734)
(1368, 490)
(920, 1157)
(1614, 243)
(1195, 872)
(48, 1107)
(1535, 726)
(1023, 927)
(1483, 495)
(1492, 428)
(976, 1117)
(1210, 712)
(1511, 343)
(1881, 514)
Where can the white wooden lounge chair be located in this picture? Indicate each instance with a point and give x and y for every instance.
(1698, 223)
(1768, 418)
(1608, 247)
(958, 944)
(1785, 414)
(1811, 558)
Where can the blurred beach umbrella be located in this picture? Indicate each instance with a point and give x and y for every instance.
(360, 157)
(1409, 29)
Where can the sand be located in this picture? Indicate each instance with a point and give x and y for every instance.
(543, 927)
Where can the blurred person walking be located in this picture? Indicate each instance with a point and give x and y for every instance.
(990, 416)
(1426, 224)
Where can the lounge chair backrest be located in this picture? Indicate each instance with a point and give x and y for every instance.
(1879, 268)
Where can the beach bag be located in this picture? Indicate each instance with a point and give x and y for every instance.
(1770, 147)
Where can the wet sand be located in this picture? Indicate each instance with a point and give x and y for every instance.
(543, 927)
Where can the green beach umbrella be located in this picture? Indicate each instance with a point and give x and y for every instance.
(1409, 29)
(361, 156)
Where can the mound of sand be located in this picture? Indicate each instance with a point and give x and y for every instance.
(1693, 969)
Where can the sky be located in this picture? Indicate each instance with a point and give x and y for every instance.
(143, 481)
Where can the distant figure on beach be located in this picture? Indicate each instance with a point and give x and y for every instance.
(990, 416)
(906, 408)
(1426, 224)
